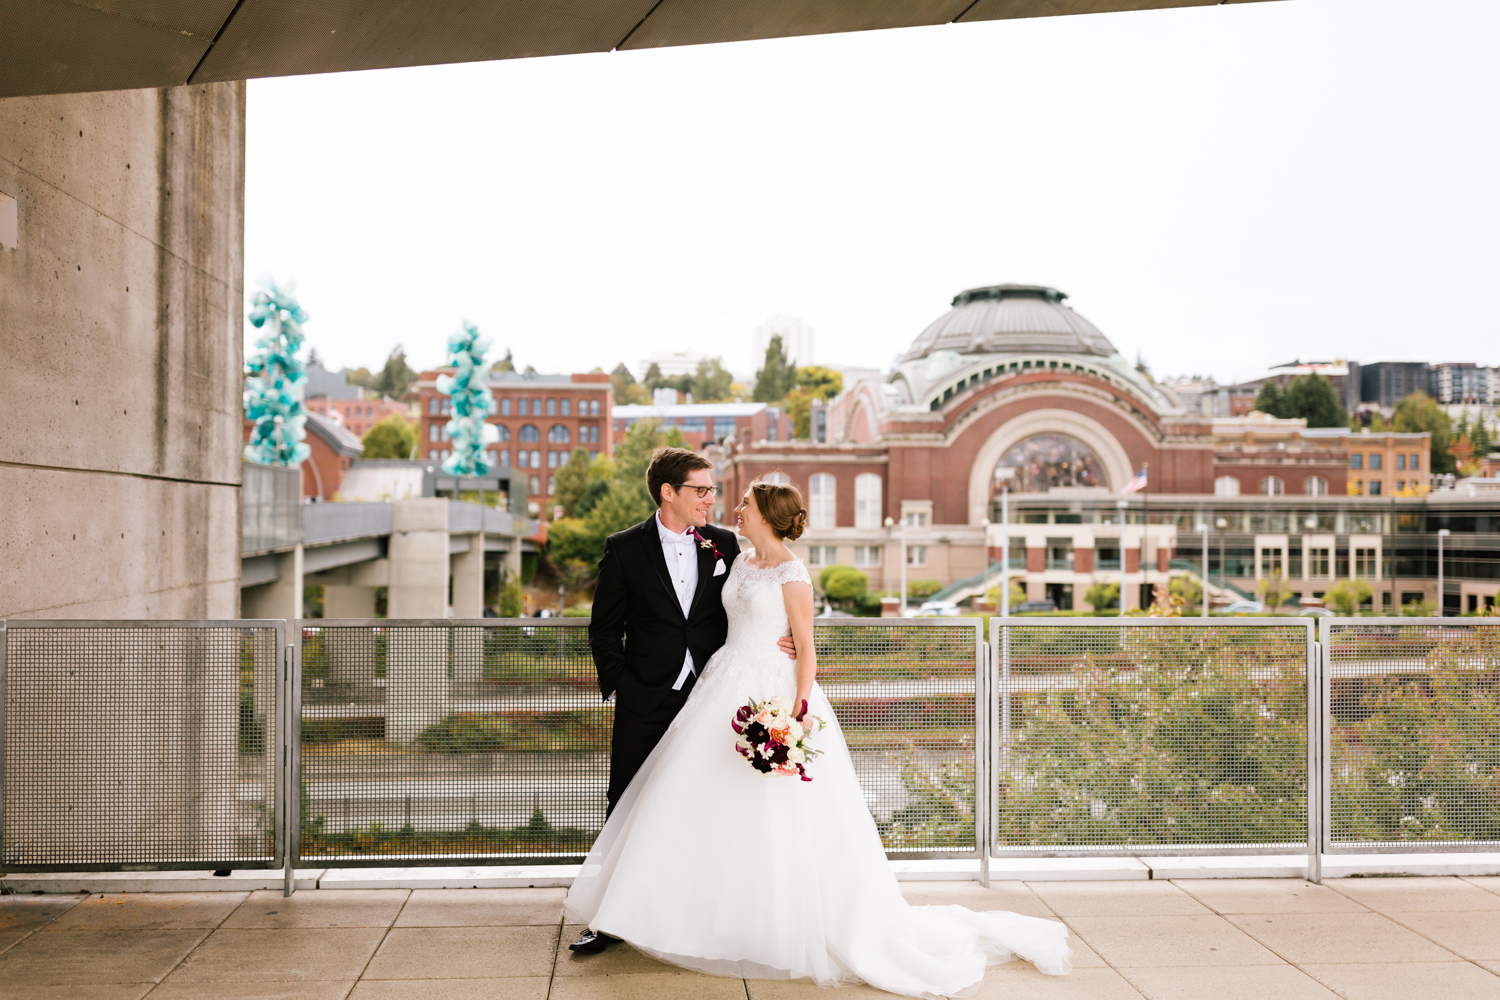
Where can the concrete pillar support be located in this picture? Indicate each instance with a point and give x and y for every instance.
(419, 559)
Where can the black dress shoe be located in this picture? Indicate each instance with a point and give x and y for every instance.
(592, 942)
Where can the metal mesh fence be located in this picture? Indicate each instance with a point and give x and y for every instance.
(905, 695)
(1150, 735)
(444, 742)
(140, 745)
(1413, 734)
(450, 741)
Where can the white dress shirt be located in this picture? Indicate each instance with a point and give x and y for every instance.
(681, 552)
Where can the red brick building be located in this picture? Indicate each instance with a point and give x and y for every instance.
(332, 449)
(356, 416)
(541, 419)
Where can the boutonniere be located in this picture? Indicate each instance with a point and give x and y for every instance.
(704, 543)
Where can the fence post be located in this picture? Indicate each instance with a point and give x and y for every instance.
(4, 847)
(1316, 760)
(983, 784)
(290, 702)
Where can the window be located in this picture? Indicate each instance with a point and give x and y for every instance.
(1356, 461)
(1375, 487)
(551, 485)
(1017, 553)
(915, 519)
(558, 434)
(529, 433)
(566, 408)
(523, 406)
(1270, 561)
(551, 407)
(822, 555)
(779, 478)
(432, 405)
(523, 459)
(1315, 486)
(1272, 486)
(1375, 459)
(821, 490)
(1317, 563)
(916, 555)
(1106, 553)
(867, 555)
(1226, 486)
(536, 485)
(1046, 460)
(1401, 460)
(867, 501)
(503, 431)
(551, 459)
(447, 406)
(593, 455)
(1400, 485)
(505, 407)
(446, 436)
(432, 432)
(1415, 461)
(504, 461)
(432, 454)
(1364, 563)
(1059, 553)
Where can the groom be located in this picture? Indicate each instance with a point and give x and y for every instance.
(658, 615)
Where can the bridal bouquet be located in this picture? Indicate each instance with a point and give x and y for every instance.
(771, 738)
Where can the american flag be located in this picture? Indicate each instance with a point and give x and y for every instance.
(1137, 484)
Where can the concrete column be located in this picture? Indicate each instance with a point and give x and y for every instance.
(350, 652)
(348, 602)
(467, 569)
(416, 680)
(418, 558)
(281, 598)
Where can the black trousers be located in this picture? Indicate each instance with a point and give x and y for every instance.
(636, 735)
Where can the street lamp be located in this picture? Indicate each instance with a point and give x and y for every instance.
(1005, 473)
(889, 523)
(1203, 527)
(1122, 506)
(1221, 524)
(1442, 609)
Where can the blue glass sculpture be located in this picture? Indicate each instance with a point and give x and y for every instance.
(472, 403)
(273, 386)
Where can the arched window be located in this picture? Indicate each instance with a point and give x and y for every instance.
(503, 431)
(593, 407)
(821, 501)
(778, 478)
(432, 405)
(1272, 486)
(1047, 460)
(530, 433)
(558, 434)
(867, 500)
(1226, 486)
(1315, 486)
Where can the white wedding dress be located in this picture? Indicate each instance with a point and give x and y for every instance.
(712, 865)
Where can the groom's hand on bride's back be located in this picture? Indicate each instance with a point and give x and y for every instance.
(787, 646)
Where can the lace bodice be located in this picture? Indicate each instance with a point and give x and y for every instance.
(754, 603)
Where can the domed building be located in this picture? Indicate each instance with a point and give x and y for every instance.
(1012, 390)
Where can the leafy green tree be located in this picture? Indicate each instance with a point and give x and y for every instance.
(1188, 588)
(827, 572)
(572, 481)
(1103, 595)
(1346, 596)
(1017, 594)
(846, 584)
(627, 390)
(1274, 591)
(711, 382)
(1271, 400)
(392, 437)
(920, 589)
(570, 540)
(810, 383)
(654, 379)
(512, 602)
(391, 381)
(1420, 412)
(776, 376)
(1311, 397)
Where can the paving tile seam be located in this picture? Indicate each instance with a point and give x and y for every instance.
(190, 952)
(1461, 958)
(1469, 879)
(359, 977)
(562, 921)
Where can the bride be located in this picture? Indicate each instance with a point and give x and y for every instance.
(709, 864)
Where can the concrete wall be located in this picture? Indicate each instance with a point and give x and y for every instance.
(120, 326)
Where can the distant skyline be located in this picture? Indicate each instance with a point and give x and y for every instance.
(1219, 189)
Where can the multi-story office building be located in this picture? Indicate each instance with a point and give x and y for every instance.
(541, 419)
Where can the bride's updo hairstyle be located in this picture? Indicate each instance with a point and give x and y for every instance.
(782, 507)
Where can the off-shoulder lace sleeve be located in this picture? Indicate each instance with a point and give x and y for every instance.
(793, 571)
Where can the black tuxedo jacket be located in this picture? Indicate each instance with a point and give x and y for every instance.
(638, 633)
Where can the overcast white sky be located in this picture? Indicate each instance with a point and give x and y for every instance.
(1218, 188)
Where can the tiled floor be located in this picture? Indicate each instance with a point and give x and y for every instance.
(1212, 939)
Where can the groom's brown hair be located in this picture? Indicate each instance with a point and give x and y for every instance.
(671, 467)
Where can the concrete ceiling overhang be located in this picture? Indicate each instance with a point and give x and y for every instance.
(68, 46)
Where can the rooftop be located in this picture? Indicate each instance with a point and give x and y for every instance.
(1005, 319)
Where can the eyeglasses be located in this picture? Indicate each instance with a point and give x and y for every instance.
(702, 491)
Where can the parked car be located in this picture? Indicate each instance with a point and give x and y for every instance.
(1316, 613)
(938, 609)
(1032, 607)
(1243, 608)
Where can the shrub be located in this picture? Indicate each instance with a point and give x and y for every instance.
(1346, 596)
(1103, 595)
(921, 589)
(847, 584)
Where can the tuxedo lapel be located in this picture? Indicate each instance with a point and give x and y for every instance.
(651, 542)
(706, 562)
